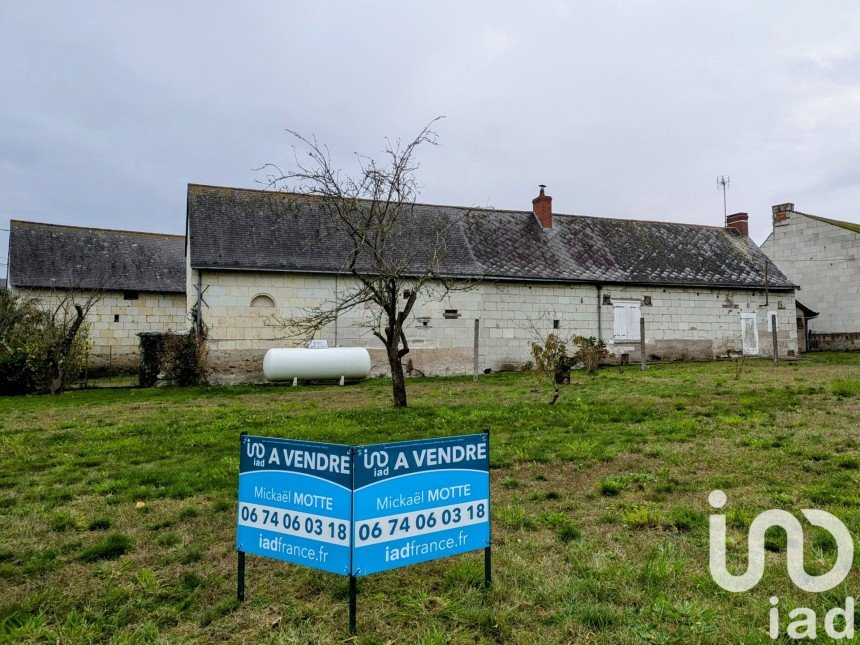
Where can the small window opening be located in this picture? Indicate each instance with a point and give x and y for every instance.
(451, 313)
(262, 300)
(116, 317)
(646, 300)
(607, 299)
(407, 294)
(130, 295)
(556, 324)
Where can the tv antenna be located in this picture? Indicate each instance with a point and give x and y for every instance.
(723, 182)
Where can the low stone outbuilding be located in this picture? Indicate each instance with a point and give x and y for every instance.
(136, 281)
(822, 256)
(704, 291)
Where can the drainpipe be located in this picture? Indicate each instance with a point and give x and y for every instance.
(198, 322)
(599, 312)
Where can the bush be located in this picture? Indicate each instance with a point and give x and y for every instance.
(185, 359)
(15, 375)
(40, 350)
(590, 352)
(549, 355)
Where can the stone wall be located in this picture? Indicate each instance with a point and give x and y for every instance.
(824, 260)
(848, 342)
(114, 323)
(681, 323)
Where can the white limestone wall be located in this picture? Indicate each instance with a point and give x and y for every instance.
(680, 323)
(703, 323)
(114, 322)
(824, 260)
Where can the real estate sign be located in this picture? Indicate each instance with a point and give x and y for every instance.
(357, 510)
(420, 500)
(295, 502)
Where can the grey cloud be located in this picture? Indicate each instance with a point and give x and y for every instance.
(625, 109)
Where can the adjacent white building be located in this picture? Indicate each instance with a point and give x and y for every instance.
(822, 256)
(135, 280)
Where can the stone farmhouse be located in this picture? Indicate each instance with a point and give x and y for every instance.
(704, 291)
(822, 256)
(136, 282)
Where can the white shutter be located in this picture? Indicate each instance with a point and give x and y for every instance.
(626, 320)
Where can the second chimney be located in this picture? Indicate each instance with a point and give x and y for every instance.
(781, 211)
(542, 208)
(739, 222)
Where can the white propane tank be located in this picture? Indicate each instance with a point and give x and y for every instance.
(316, 364)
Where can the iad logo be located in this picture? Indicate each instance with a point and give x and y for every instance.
(794, 550)
(805, 627)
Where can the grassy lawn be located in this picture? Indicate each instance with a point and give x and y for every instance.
(117, 507)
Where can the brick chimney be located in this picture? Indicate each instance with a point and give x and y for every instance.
(780, 212)
(542, 208)
(739, 222)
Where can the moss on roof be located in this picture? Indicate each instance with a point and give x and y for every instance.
(836, 222)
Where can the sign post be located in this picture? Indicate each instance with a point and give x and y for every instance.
(358, 510)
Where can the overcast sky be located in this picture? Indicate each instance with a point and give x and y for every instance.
(624, 109)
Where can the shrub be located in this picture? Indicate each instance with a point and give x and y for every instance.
(185, 359)
(41, 350)
(590, 352)
(550, 358)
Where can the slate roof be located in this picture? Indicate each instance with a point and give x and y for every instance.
(241, 229)
(50, 255)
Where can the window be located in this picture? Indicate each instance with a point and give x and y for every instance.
(556, 324)
(130, 295)
(626, 320)
(262, 300)
(451, 313)
(116, 317)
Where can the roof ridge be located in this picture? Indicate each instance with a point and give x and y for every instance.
(95, 228)
(467, 208)
(854, 227)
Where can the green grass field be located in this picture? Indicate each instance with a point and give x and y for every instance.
(117, 507)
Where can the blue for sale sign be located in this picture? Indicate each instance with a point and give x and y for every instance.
(419, 500)
(295, 502)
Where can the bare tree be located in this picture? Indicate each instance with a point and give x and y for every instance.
(70, 309)
(393, 258)
(67, 308)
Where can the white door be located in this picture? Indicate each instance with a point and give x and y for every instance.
(749, 334)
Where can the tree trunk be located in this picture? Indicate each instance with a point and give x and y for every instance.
(398, 382)
(58, 356)
(555, 392)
